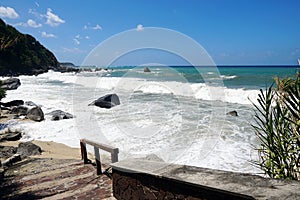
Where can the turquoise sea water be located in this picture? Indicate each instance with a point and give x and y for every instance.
(248, 77)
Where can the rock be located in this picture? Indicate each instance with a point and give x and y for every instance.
(30, 103)
(59, 114)
(19, 110)
(26, 149)
(232, 113)
(12, 103)
(107, 101)
(11, 160)
(146, 69)
(35, 114)
(11, 136)
(7, 151)
(10, 83)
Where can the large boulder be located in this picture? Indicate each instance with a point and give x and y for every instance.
(10, 83)
(35, 114)
(59, 114)
(7, 151)
(26, 149)
(107, 101)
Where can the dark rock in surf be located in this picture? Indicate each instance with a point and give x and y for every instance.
(11, 136)
(107, 101)
(12, 103)
(30, 103)
(35, 114)
(59, 114)
(19, 110)
(26, 149)
(232, 113)
(10, 83)
(146, 69)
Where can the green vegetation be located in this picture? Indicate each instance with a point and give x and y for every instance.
(278, 129)
(22, 54)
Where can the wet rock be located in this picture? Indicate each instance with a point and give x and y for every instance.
(11, 136)
(59, 114)
(232, 113)
(12, 103)
(19, 110)
(30, 103)
(35, 114)
(10, 83)
(26, 149)
(146, 69)
(107, 101)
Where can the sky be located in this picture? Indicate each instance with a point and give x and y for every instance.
(233, 32)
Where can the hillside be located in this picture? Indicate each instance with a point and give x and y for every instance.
(22, 54)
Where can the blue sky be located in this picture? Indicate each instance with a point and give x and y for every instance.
(233, 32)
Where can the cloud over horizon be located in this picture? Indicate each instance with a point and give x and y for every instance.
(8, 12)
(33, 24)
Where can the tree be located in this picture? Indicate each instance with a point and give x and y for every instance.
(277, 126)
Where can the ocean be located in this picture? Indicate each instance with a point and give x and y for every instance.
(176, 113)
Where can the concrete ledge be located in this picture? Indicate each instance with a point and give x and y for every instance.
(142, 179)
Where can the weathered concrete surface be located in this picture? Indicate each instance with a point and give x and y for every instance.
(142, 178)
(37, 178)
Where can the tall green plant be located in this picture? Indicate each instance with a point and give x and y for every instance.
(277, 125)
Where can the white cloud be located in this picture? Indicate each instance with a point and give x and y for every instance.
(37, 4)
(87, 37)
(76, 41)
(97, 27)
(53, 19)
(33, 24)
(72, 50)
(77, 36)
(139, 27)
(8, 12)
(48, 35)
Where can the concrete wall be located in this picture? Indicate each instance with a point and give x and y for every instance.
(140, 179)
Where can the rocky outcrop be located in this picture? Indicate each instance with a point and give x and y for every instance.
(12, 103)
(10, 83)
(107, 101)
(59, 114)
(35, 114)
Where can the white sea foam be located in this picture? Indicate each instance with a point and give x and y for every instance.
(177, 121)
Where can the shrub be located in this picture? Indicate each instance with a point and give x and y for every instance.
(277, 117)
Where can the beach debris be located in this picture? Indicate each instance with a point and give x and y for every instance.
(35, 114)
(26, 149)
(59, 114)
(232, 113)
(146, 69)
(10, 83)
(107, 101)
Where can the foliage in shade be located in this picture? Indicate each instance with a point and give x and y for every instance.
(22, 53)
(277, 126)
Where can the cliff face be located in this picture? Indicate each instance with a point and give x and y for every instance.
(22, 53)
